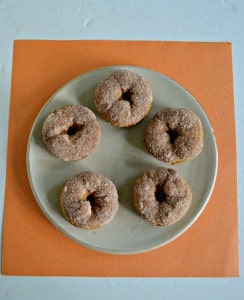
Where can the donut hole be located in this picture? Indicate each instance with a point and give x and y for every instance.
(160, 194)
(126, 96)
(173, 135)
(74, 128)
(94, 202)
(90, 198)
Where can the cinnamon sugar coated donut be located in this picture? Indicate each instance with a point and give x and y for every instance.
(174, 135)
(161, 196)
(71, 132)
(89, 200)
(123, 98)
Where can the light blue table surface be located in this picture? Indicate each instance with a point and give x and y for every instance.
(172, 20)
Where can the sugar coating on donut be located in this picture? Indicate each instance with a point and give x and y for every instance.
(89, 200)
(71, 132)
(174, 135)
(161, 196)
(123, 98)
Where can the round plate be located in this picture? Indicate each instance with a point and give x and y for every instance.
(121, 156)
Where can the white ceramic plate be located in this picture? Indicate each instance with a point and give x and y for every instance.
(121, 156)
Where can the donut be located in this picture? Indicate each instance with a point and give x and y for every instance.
(71, 132)
(123, 98)
(174, 135)
(161, 196)
(89, 200)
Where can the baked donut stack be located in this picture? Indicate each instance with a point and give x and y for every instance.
(161, 196)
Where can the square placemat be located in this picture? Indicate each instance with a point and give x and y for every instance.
(33, 246)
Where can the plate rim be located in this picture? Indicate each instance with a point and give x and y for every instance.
(110, 250)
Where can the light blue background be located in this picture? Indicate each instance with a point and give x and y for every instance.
(170, 20)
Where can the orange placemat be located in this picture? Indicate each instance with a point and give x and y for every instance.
(32, 246)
